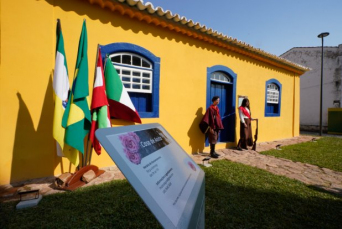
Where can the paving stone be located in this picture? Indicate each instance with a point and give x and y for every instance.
(281, 171)
(9, 192)
(310, 166)
(315, 180)
(272, 165)
(295, 171)
(330, 179)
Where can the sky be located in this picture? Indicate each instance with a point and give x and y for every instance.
(274, 26)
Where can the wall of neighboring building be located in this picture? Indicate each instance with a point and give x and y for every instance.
(310, 82)
(28, 39)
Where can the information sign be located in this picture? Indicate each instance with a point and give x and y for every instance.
(166, 178)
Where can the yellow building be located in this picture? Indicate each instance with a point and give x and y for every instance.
(186, 62)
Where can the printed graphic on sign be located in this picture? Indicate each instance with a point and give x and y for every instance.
(139, 144)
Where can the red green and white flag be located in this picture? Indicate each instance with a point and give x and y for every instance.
(120, 104)
(99, 105)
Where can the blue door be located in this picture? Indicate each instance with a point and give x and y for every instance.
(225, 92)
(221, 81)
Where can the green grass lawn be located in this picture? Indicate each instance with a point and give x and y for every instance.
(326, 153)
(237, 196)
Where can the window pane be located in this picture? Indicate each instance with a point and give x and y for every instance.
(273, 87)
(145, 64)
(136, 61)
(136, 86)
(127, 85)
(126, 59)
(146, 75)
(136, 80)
(125, 72)
(146, 81)
(146, 87)
(272, 96)
(220, 76)
(117, 70)
(116, 59)
(126, 79)
(136, 73)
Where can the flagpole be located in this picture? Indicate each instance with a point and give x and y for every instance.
(89, 153)
(58, 31)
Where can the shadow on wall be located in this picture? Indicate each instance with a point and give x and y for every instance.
(34, 153)
(196, 137)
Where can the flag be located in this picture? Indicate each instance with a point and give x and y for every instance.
(77, 118)
(61, 89)
(120, 104)
(99, 105)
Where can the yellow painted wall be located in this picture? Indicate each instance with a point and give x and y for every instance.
(27, 64)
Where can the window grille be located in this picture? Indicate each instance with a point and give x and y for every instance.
(135, 71)
(220, 76)
(272, 93)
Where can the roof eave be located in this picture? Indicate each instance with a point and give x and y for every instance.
(165, 19)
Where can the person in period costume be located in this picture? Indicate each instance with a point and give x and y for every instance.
(211, 125)
(246, 138)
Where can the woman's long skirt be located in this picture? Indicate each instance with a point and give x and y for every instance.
(246, 138)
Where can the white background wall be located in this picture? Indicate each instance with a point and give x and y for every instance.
(311, 80)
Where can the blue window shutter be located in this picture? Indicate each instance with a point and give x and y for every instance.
(273, 110)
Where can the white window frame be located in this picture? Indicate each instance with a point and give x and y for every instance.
(130, 80)
(272, 93)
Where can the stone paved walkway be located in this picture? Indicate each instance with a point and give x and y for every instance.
(309, 174)
(323, 178)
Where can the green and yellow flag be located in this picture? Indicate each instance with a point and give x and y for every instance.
(77, 118)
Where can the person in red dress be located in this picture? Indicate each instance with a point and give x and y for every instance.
(211, 125)
(246, 138)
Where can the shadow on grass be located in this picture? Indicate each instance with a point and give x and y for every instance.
(337, 192)
(258, 199)
(110, 205)
(237, 196)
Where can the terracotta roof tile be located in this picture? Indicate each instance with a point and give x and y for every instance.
(149, 8)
